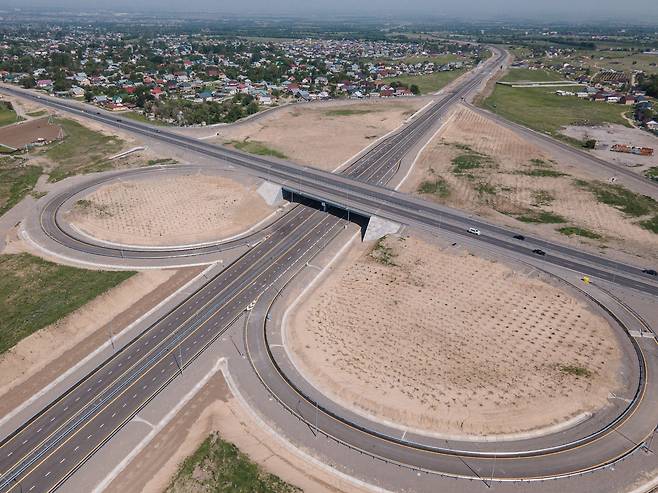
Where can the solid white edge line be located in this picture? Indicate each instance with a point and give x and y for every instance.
(112, 475)
(287, 444)
(98, 350)
(25, 236)
(422, 149)
(366, 149)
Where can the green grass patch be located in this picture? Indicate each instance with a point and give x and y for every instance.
(436, 186)
(37, 114)
(255, 147)
(541, 109)
(574, 230)
(525, 74)
(140, 117)
(81, 151)
(219, 466)
(543, 172)
(650, 224)
(630, 203)
(471, 160)
(383, 253)
(350, 111)
(652, 173)
(541, 217)
(16, 181)
(6, 150)
(575, 370)
(8, 115)
(427, 82)
(167, 160)
(35, 293)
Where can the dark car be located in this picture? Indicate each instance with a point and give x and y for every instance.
(539, 252)
(519, 237)
(651, 272)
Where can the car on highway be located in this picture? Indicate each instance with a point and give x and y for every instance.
(474, 231)
(651, 272)
(519, 237)
(539, 252)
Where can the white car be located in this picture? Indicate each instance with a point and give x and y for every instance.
(474, 231)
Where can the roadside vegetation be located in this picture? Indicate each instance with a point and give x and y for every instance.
(7, 114)
(541, 217)
(426, 83)
(255, 147)
(541, 109)
(349, 111)
(574, 230)
(382, 253)
(218, 466)
(82, 150)
(37, 114)
(652, 173)
(140, 117)
(17, 179)
(436, 186)
(463, 163)
(630, 203)
(35, 293)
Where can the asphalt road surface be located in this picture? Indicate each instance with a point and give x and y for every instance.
(47, 449)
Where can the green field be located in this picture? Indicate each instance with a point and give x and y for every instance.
(427, 82)
(16, 181)
(81, 151)
(35, 293)
(255, 147)
(541, 109)
(219, 467)
(7, 115)
(521, 74)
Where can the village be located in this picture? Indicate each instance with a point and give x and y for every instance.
(199, 79)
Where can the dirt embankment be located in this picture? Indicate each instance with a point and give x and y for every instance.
(324, 136)
(477, 165)
(451, 343)
(169, 210)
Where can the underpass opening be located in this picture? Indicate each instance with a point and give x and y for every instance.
(337, 210)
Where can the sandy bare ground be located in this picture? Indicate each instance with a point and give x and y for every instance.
(318, 136)
(515, 192)
(19, 135)
(169, 210)
(35, 352)
(451, 343)
(214, 409)
(609, 135)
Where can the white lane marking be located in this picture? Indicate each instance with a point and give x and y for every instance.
(101, 348)
(156, 429)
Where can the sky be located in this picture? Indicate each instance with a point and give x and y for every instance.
(566, 10)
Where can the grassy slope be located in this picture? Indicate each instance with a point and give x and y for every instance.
(255, 147)
(517, 74)
(81, 151)
(219, 466)
(35, 293)
(16, 181)
(7, 116)
(427, 82)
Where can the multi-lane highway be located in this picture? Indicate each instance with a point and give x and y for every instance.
(40, 455)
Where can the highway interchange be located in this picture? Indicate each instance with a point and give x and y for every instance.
(43, 453)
